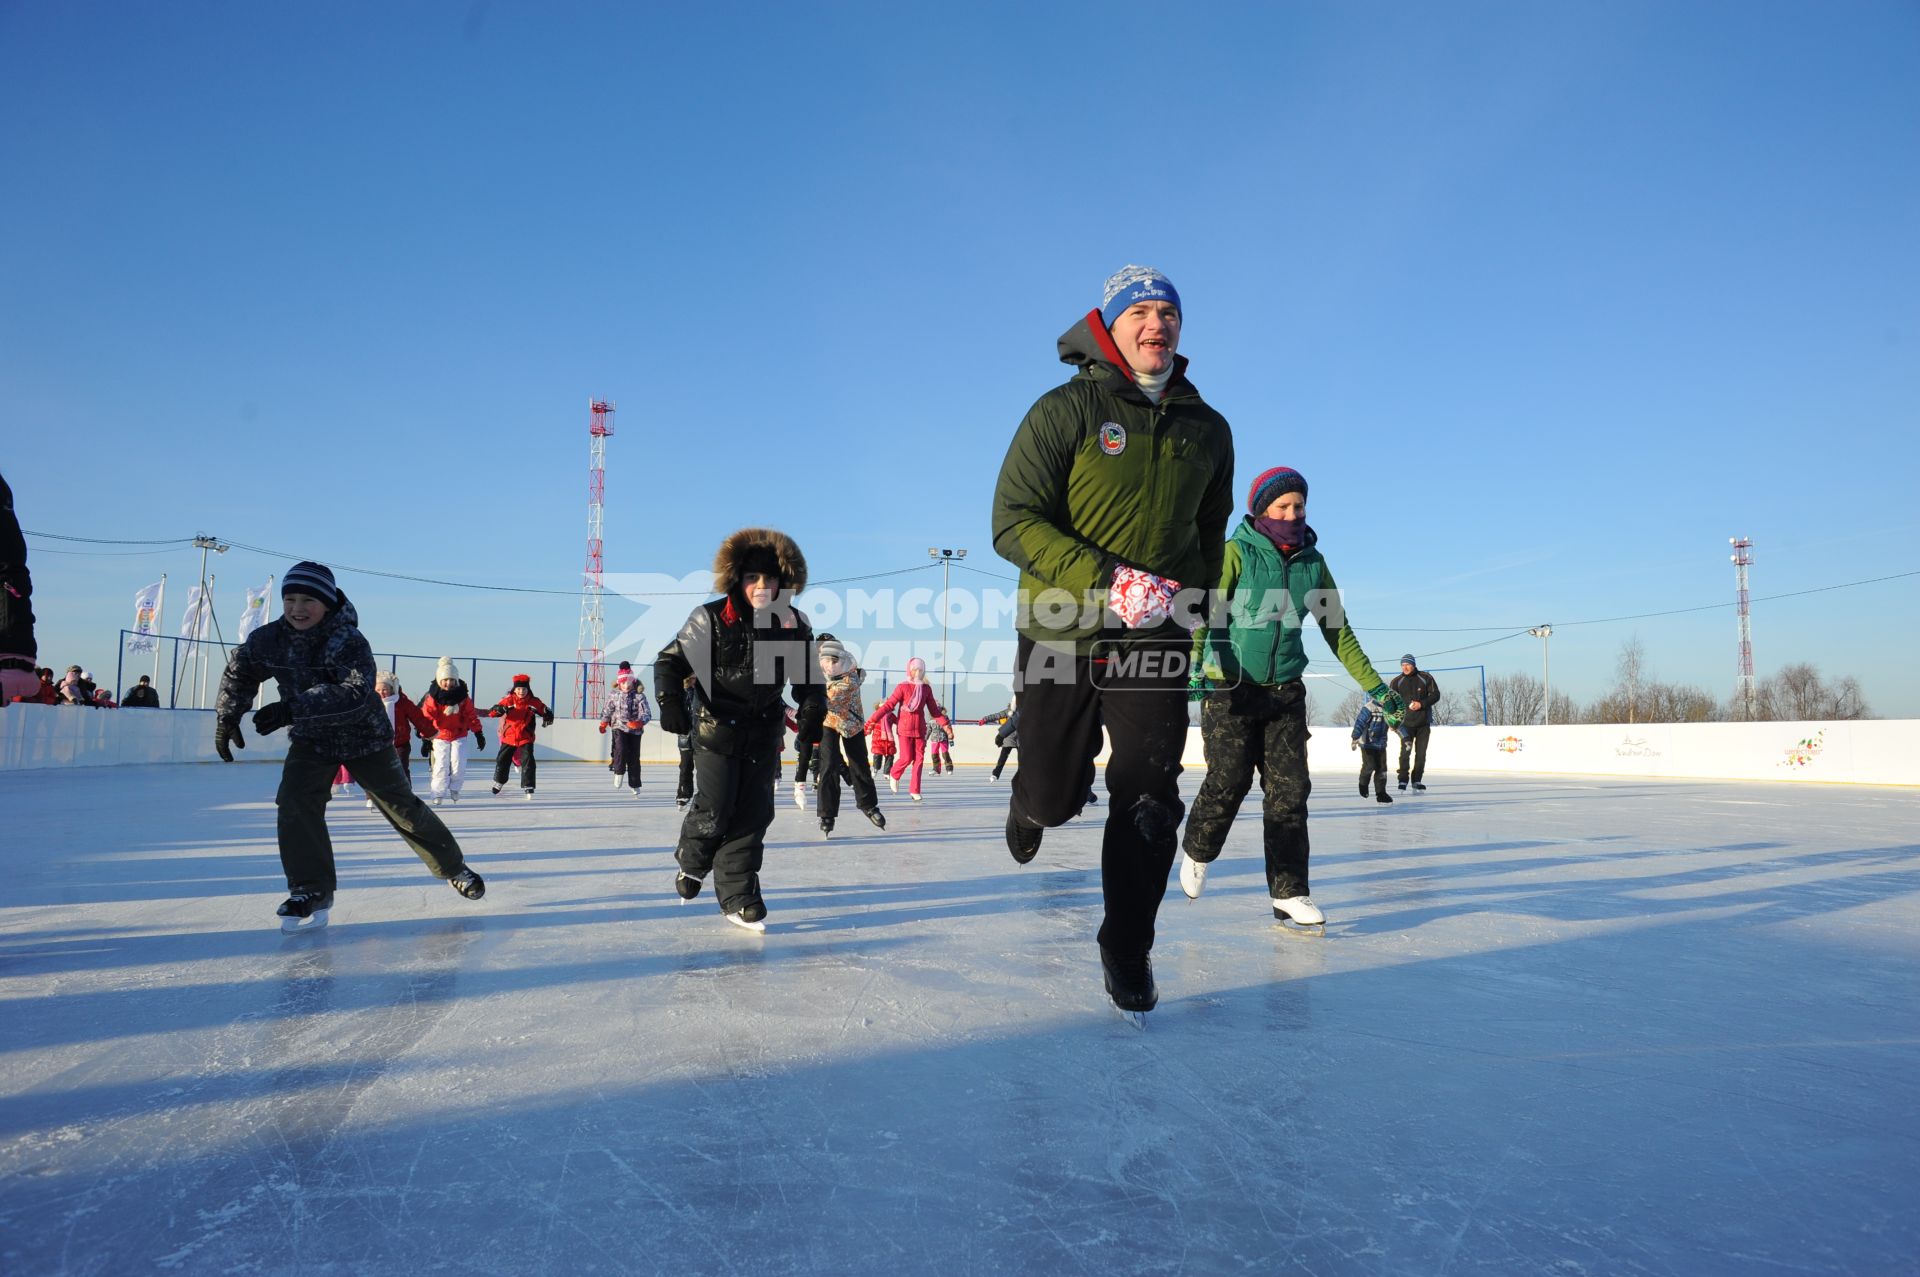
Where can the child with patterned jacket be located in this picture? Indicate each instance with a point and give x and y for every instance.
(324, 667)
(939, 741)
(449, 708)
(843, 742)
(626, 716)
(519, 707)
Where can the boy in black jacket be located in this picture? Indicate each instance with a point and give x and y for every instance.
(327, 698)
(739, 651)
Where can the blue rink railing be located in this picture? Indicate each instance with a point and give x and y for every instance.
(191, 670)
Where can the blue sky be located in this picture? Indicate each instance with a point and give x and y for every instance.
(1547, 301)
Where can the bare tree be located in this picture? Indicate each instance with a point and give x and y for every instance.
(1638, 697)
(1513, 700)
(1798, 693)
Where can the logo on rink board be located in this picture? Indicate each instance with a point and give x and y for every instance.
(1802, 752)
(1508, 745)
(1113, 438)
(1635, 747)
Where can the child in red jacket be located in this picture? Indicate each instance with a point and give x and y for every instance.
(519, 707)
(880, 746)
(449, 708)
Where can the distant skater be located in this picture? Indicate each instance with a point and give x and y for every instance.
(843, 742)
(519, 708)
(324, 669)
(1421, 694)
(908, 707)
(1370, 738)
(449, 707)
(626, 715)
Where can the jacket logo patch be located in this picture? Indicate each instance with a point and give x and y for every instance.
(1113, 438)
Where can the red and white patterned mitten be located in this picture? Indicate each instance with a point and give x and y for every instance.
(1140, 598)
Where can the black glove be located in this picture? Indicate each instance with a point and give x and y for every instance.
(481, 737)
(496, 711)
(426, 747)
(271, 718)
(546, 719)
(674, 716)
(227, 732)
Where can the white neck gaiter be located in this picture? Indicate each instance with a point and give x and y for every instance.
(1155, 385)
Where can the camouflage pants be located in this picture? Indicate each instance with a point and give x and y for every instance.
(1243, 728)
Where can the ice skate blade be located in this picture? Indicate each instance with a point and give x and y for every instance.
(312, 922)
(758, 928)
(1305, 930)
(1136, 1019)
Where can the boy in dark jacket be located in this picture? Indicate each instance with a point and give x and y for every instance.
(739, 651)
(1370, 738)
(325, 671)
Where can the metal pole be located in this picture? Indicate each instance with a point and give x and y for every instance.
(120, 668)
(1545, 633)
(1483, 696)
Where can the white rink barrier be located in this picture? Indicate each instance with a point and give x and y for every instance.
(1869, 752)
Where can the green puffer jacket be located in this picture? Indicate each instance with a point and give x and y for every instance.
(1269, 599)
(1098, 476)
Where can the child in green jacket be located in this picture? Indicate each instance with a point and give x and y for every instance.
(1272, 580)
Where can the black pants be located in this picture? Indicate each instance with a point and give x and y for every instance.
(405, 753)
(1243, 727)
(846, 754)
(1414, 742)
(805, 753)
(503, 763)
(685, 791)
(1065, 700)
(1373, 770)
(1006, 752)
(306, 783)
(626, 755)
(724, 833)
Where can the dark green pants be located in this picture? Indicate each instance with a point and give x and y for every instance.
(306, 783)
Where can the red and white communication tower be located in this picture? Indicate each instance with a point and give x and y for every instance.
(1743, 688)
(589, 669)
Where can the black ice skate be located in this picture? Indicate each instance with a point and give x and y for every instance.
(469, 884)
(1130, 984)
(1384, 796)
(873, 814)
(687, 885)
(826, 826)
(1419, 786)
(1023, 840)
(305, 910)
(750, 917)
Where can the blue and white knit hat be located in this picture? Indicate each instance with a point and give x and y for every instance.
(312, 579)
(1131, 285)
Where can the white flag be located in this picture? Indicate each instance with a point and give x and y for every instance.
(256, 614)
(197, 620)
(146, 617)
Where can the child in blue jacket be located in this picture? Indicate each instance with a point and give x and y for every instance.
(1370, 738)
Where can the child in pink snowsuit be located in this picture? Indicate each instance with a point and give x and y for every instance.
(910, 702)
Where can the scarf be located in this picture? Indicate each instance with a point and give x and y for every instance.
(1154, 386)
(1287, 535)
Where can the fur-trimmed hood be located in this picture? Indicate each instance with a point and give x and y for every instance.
(729, 562)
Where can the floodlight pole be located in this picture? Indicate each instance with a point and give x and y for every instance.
(1544, 633)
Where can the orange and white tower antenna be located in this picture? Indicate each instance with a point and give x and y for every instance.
(1743, 687)
(589, 683)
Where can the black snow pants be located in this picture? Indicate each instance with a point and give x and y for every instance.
(1242, 727)
(845, 754)
(725, 830)
(306, 783)
(503, 764)
(1414, 742)
(626, 755)
(1373, 770)
(685, 791)
(1139, 694)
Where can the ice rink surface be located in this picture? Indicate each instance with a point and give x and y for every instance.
(1555, 1026)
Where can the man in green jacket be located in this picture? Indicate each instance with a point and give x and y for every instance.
(1113, 500)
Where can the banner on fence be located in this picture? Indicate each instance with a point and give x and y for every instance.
(146, 616)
